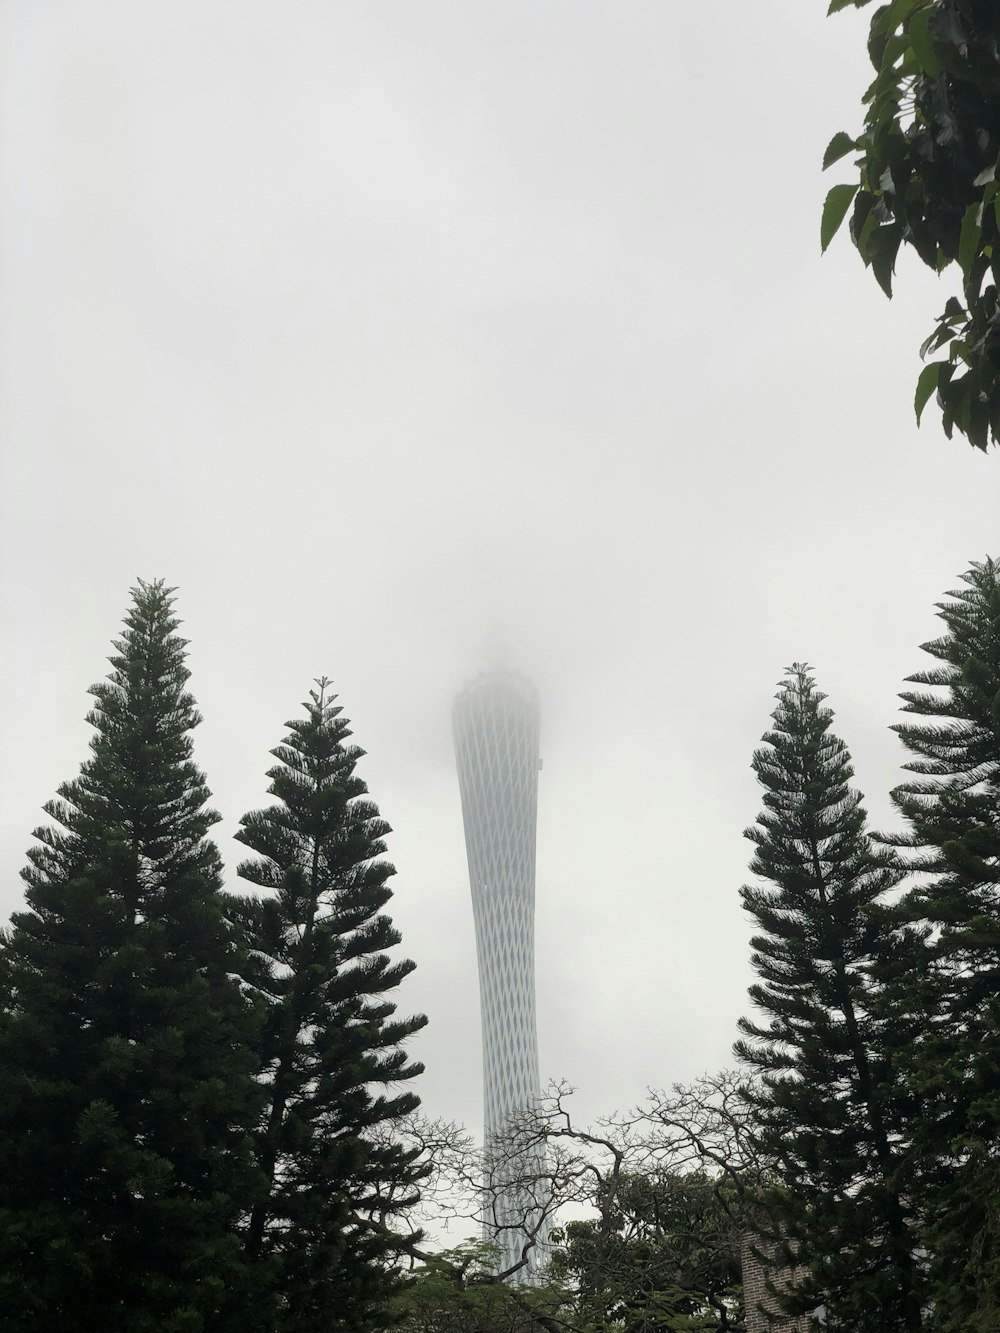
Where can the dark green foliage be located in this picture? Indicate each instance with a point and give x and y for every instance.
(926, 176)
(663, 1255)
(456, 1292)
(336, 1175)
(952, 808)
(830, 1114)
(126, 1096)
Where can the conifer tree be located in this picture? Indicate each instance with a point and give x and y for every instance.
(952, 808)
(829, 1111)
(332, 1057)
(127, 1096)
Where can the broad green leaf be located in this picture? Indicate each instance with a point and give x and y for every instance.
(864, 205)
(883, 246)
(948, 398)
(885, 44)
(902, 9)
(838, 201)
(839, 146)
(923, 43)
(972, 231)
(979, 420)
(976, 272)
(836, 5)
(895, 48)
(987, 175)
(926, 385)
(868, 229)
(942, 334)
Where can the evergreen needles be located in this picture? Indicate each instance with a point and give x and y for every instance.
(197, 1091)
(952, 808)
(335, 1178)
(878, 1100)
(206, 1111)
(127, 1099)
(829, 1114)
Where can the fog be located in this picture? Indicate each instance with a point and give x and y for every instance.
(406, 339)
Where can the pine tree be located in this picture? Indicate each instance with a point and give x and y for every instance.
(952, 809)
(830, 1114)
(127, 1095)
(336, 1174)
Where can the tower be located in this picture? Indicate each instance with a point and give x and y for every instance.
(496, 731)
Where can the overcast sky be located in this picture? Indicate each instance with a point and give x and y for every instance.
(411, 336)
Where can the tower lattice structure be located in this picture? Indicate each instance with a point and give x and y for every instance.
(496, 729)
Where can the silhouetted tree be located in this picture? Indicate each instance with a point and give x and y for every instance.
(952, 807)
(456, 1291)
(662, 1196)
(336, 1175)
(829, 1112)
(127, 1096)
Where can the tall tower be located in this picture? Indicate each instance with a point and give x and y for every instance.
(496, 727)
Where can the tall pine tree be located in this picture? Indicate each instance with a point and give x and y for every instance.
(127, 1096)
(952, 808)
(332, 1057)
(829, 1110)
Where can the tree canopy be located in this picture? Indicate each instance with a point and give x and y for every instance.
(925, 175)
(331, 1050)
(828, 1113)
(127, 1097)
(951, 804)
(206, 1115)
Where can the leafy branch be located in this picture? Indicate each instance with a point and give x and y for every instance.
(926, 176)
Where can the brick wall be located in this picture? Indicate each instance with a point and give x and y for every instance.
(755, 1294)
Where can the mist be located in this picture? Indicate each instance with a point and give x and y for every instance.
(411, 339)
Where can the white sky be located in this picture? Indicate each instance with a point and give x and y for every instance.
(406, 337)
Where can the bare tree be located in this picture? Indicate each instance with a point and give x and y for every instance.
(647, 1208)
